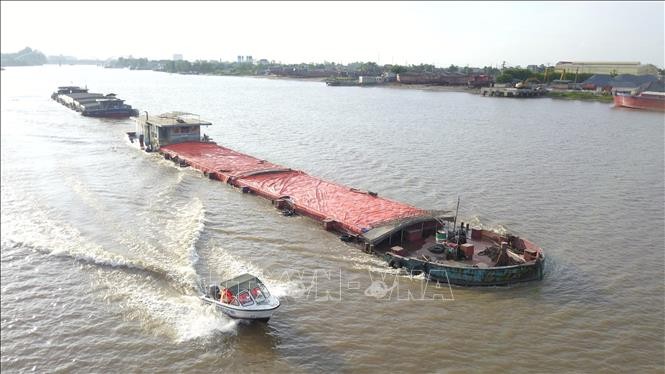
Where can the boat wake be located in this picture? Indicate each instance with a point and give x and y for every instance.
(164, 310)
(156, 286)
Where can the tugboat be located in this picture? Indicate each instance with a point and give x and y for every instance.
(466, 256)
(462, 255)
(243, 297)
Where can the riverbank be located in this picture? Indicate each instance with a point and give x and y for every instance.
(434, 88)
(565, 95)
(396, 85)
(580, 95)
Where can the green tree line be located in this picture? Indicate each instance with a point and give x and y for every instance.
(233, 68)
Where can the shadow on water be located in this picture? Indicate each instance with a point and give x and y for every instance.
(563, 281)
(277, 345)
(301, 349)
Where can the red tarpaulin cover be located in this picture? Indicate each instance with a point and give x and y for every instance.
(356, 211)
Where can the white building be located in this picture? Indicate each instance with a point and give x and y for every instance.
(364, 80)
(604, 67)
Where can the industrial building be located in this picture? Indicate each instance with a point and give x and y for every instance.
(600, 67)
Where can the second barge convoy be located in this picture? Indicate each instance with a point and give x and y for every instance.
(93, 104)
(406, 237)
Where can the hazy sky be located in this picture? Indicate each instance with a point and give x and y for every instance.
(440, 33)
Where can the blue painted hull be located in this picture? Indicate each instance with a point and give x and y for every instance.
(469, 276)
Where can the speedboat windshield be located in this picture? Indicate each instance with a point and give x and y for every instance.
(246, 289)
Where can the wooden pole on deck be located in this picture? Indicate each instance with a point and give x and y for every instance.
(456, 211)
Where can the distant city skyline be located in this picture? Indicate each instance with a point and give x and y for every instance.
(439, 33)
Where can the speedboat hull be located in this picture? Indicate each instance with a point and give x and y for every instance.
(243, 297)
(259, 314)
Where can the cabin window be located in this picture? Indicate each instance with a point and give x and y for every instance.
(257, 294)
(264, 291)
(183, 130)
(245, 299)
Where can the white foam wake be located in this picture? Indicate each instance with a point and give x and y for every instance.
(147, 295)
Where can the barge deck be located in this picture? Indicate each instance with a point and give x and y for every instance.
(338, 207)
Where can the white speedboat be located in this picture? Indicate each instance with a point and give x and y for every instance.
(243, 297)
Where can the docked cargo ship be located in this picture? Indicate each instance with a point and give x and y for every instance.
(647, 100)
(93, 104)
(407, 237)
(342, 82)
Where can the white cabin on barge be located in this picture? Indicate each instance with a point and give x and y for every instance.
(168, 128)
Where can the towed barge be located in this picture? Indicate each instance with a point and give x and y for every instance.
(417, 240)
(93, 104)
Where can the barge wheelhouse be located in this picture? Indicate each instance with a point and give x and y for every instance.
(154, 132)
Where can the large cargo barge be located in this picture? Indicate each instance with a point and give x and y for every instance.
(647, 100)
(93, 104)
(417, 240)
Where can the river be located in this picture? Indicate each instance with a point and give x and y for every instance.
(104, 247)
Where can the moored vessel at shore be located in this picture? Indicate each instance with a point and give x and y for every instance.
(646, 100)
(342, 82)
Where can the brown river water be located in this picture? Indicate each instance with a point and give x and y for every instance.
(105, 247)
